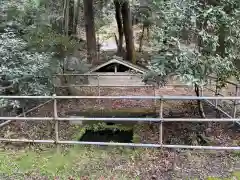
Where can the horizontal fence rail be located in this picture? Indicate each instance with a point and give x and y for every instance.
(160, 119)
(119, 86)
(126, 144)
(122, 119)
(99, 75)
(105, 86)
(126, 97)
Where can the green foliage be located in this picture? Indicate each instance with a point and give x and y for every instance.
(33, 22)
(213, 40)
(28, 72)
(23, 68)
(19, 65)
(23, 14)
(31, 49)
(103, 126)
(36, 27)
(44, 39)
(191, 67)
(235, 175)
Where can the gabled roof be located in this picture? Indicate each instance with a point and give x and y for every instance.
(124, 63)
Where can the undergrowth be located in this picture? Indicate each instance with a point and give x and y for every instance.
(235, 176)
(75, 162)
(81, 162)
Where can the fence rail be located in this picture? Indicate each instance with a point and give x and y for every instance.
(127, 97)
(159, 119)
(23, 114)
(122, 119)
(125, 144)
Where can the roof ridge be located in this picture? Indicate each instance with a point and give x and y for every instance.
(122, 62)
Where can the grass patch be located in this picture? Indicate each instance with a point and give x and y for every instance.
(89, 163)
(235, 176)
(77, 162)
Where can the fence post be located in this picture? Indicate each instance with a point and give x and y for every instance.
(155, 100)
(216, 94)
(216, 100)
(161, 123)
(56, 121)
(54, 80)
(99, 92)
(235, 102)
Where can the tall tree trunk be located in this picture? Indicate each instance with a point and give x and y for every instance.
(76, 16)
(201, 24)
(90, 31)
(76, 9)
(119, 25)
(199, 102)
(128, 32)
(66, 16)
(71, 17)
(218, 114)
(221, 41)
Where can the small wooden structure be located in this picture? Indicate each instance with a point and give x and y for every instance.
(116, 72)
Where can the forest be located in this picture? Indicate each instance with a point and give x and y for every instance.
(43, 35)
(190, 39)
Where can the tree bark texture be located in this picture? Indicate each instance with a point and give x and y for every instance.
(119, 25)
(76, 16)
(90, 31)
(221, 42)
(71, 17)
(66, 16)
(128, 32)
(199, 102)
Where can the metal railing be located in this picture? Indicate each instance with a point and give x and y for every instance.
(210, 82)
(231, 117)
(24, 113)
(160, 119)
(216, 91)
(107, 75)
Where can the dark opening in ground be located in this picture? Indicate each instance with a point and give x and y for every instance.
(110, 123)
(108, 135)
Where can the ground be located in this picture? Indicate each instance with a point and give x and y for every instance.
(115, 163)
(41, 162)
